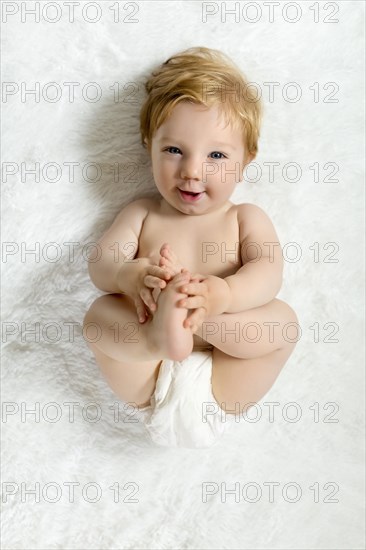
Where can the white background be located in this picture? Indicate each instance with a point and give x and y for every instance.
(322, 375)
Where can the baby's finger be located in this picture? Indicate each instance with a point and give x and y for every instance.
(192, 302)
(197, 277)
(154, 282)
(140, 309)
(190, 288)
(160, 272)
(146, 296)
(179, 279)
(195, 319)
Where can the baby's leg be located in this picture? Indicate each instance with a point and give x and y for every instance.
(243, 371)
(252, 333)
(129, 353)
(134, 383)
(239, 383)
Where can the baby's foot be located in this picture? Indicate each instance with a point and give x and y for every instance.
(167, 334)
(169, 259)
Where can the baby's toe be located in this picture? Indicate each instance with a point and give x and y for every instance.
(180, 278)
(168, 252)
(169, 255)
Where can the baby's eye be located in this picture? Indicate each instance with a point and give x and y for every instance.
(175, 148)
(218, 153)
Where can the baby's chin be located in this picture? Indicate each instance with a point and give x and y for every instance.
(199, 210)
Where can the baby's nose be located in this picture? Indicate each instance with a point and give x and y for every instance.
(191, 169)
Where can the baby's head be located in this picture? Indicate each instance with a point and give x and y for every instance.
(200, 123)
(206, 77)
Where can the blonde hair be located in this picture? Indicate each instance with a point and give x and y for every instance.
(202, 76)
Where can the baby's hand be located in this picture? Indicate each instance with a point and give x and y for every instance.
(198, 300)
(151, 278)
(154, 279)
(207, 295)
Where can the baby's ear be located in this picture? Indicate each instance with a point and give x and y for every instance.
(146, 145)
(249, 158)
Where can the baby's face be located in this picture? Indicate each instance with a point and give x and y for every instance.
(193, 151)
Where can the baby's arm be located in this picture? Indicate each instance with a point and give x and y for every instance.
(259, 279)
(116, 270)
(111, 271)
(256, 283)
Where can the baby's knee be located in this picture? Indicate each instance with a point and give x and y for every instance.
(89, 317)
(288, 312)
(93, 320)
(292, 317)
(291, 330)
(98, 309)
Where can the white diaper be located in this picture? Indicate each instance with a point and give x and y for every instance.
(183, 410)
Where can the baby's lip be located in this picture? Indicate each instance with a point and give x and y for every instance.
(189, 190)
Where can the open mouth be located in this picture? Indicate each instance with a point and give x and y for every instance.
(189, 196)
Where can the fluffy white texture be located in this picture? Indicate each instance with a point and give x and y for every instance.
(170, 512)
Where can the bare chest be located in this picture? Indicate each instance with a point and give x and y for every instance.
(204, 244)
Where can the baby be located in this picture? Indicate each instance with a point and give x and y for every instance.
(195, 275)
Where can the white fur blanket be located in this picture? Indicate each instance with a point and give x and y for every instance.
(171, 498)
